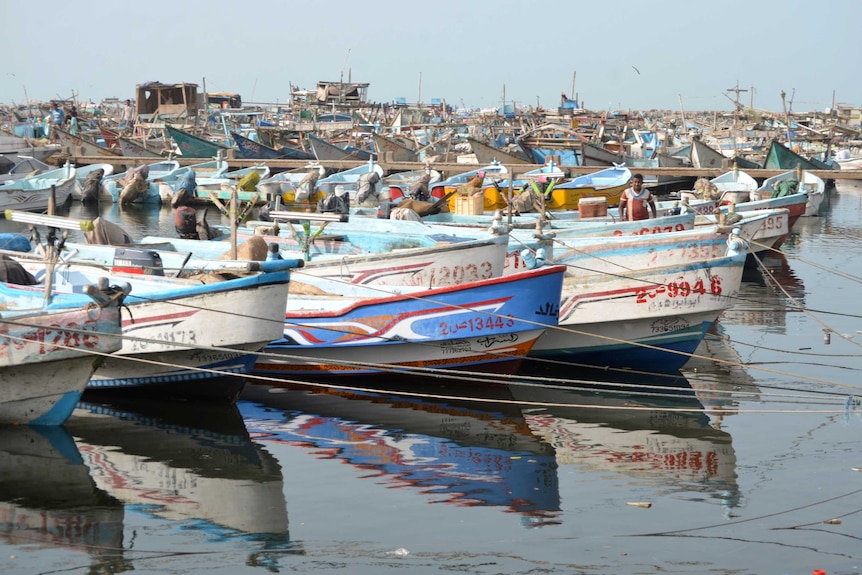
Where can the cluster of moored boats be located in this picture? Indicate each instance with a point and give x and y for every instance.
(459, 276)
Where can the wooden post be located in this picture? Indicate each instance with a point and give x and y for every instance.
(233, 224)
(52, 200)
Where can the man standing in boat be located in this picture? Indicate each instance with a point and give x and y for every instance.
(127, 121)
(634, 201)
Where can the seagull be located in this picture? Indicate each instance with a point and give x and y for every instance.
(636, 70)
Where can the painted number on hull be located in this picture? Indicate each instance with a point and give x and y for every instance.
(476, 324)
(459, 274)
(681, 289)
(654, 230)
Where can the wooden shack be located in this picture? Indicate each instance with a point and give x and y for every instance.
(176, 102)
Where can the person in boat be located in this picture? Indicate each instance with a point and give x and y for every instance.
(58, 118)
(127, 121)
(73, 121)
(635, 200)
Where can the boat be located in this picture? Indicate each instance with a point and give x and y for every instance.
(702, 155)
(593, 155)
(608, 183)
(487, 154)
(109, 137)
(496, 193)
(324, 151)
(333, 328)
(346, 181)
(734, 186)
(48, 500)
(152, 174)
(223, 184)
(780, 157)
(77, 146)
(789, 183)
(88, 181)
(33, 194)
(281, 188)
(390, 150)
(50, 348)
(386, 259)
(641, 302)
(190, 463)
(252, 150)
(132, 148)
(553, 141)
(192, 146)
(659, 160)
(12, 147)
(24, 167)
(181, 334)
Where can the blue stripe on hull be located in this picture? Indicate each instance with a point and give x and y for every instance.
(628, 356)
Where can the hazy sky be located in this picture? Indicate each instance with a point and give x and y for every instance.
(623, 54)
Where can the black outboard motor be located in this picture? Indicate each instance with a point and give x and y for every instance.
(186, 222)
(138, 261)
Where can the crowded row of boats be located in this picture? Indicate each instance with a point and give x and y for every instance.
(346, 292)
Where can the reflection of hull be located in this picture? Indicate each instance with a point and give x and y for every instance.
(642, 438)
(472, 454)
(188, 464)
(761, 301)
(48, 498)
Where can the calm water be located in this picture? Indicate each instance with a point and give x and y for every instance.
(742, 457)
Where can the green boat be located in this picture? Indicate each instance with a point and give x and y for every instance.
(193, 146)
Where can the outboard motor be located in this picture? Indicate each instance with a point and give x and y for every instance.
(186, 222)
(138, 261)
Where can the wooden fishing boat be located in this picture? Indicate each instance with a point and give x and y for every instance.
(593, 155)
(33, 194)
(78, 146)
(704, 156)
(390, 150)
(252, 150)
(50, 346)
(487, 154)
(780, 157)
(192, 146)
(324, 151)
(132, 148)
(343, 329)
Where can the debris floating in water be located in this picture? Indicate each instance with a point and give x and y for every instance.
(644, 504)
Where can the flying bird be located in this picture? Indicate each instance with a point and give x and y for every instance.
(636, 70)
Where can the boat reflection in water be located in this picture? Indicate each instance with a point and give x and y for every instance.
(463, 453)
(768, 292)
(192, 464)
(648, 428)
(48, 499)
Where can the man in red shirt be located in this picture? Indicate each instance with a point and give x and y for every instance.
(634, 201)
